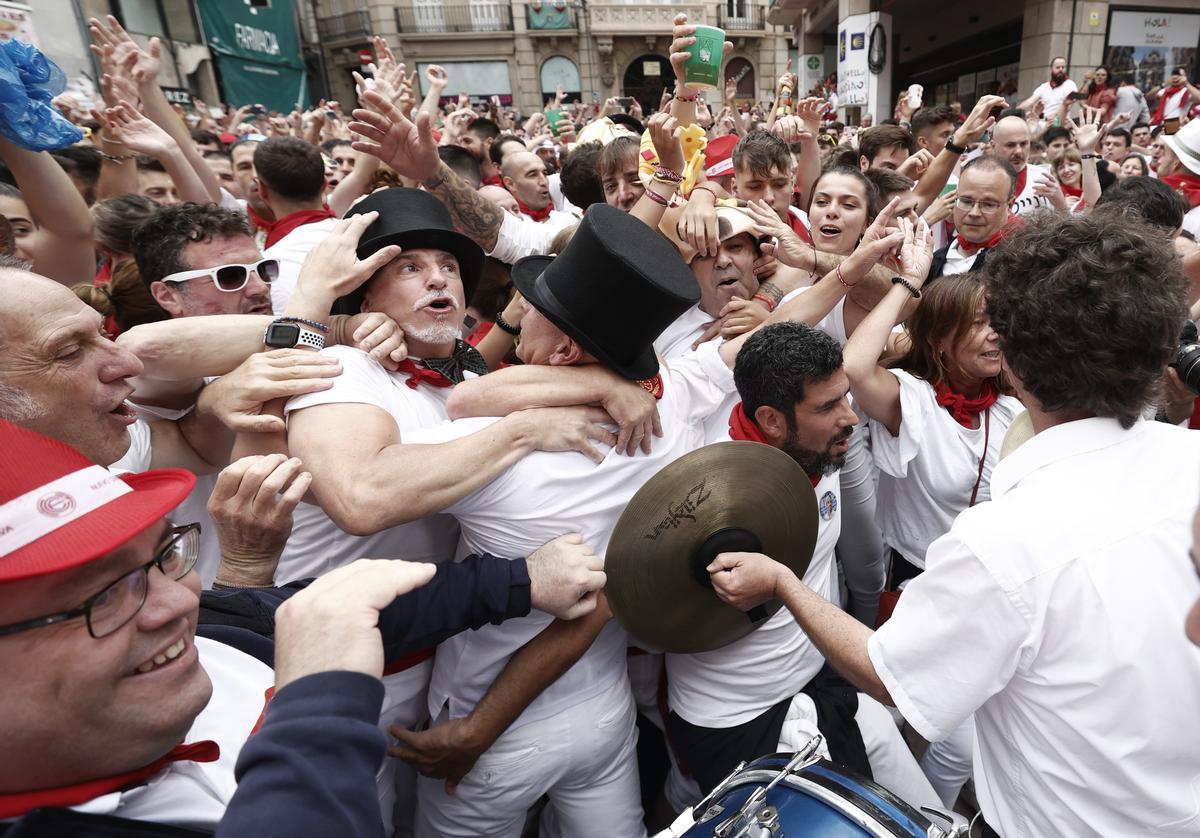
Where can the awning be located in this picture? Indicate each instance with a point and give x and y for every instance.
(257, 51)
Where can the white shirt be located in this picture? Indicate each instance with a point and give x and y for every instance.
(1053, 97)
(676, 340)
(521, 236)
(137, 458)
(317, 545)
(1178, 105)
(958, 262)
(736, 683)
(558, 198)
(1055, 614)
(832, 324)
(1027, 201)
(195, 794)
(290, 251)
(926, 474)
(546, 495)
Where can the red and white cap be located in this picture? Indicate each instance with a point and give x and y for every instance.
(718, 156)
(59, 510)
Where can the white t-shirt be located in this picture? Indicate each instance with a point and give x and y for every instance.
(832, 324)
(195, 794)
(137, 458)
(1053, 97)
(736, 683)
(546, 495)
(558, 198)
(926, 474)
(1027, 201)
(1055, 614)
(290, 251)
(521, 236)
(1178, 105)
(317, 545)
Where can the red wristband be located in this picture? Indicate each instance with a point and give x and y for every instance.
(845, 284)
(765, 300)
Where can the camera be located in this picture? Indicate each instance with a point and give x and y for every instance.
(1187, 358)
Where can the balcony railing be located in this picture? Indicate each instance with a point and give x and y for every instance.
(347, 26)
(490, 16)
(745, 18)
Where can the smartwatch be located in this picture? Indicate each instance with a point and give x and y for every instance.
(286, 334)
(954, 147)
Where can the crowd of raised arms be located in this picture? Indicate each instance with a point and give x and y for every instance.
(432, 469)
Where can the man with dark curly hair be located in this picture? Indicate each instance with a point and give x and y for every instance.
(1052, 612)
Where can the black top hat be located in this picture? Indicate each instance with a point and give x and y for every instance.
(413, 219)
(613, 290)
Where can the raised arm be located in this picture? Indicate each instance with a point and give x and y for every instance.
(875, 388)
(1087, 136)
(65, 252)
(141, 136)
(930, 185)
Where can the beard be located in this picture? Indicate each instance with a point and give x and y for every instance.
(434, 333)
(823, 462)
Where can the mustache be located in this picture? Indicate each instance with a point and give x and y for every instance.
(844, 435)
(434, 296)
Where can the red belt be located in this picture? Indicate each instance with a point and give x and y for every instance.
(409, 661)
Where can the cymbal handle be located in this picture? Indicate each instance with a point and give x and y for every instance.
(757, 614)
(727, 540)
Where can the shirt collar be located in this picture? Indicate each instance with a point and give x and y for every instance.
(1058, 443)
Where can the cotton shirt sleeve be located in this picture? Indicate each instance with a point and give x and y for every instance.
(699, 382)
(363, 381)
(894, 453)
(955, 640)
(521, 237)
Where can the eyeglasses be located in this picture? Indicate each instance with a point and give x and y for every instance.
(968, 204)
(117, 604)
(230, 277)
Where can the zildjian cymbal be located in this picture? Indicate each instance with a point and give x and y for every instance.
(727, 497)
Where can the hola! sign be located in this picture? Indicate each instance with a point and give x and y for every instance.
(1154, 29)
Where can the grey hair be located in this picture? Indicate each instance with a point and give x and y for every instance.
(19, 407)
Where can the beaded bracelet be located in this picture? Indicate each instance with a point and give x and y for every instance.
(912, 289)
(117, 158)
(506, 327)
(705, 188)
(691, 98)
(1089, 157)
(320, 327)
(765, 300)
(667, 175)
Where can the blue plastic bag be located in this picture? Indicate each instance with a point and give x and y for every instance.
(28, 81)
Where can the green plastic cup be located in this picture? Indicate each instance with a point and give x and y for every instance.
(703, 69)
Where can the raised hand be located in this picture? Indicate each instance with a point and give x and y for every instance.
(123, 124)
(916, 253)
(811, 111)
(664, 133)
(1048, 187)
(384, 132)
(332, 269)
(978, 120)
(682, 37)
(788, 248)
(143, 65)
(916, 164)
(1090, 130)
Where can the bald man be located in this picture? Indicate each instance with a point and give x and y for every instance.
(524, 175)
(1010, 140)
(501, 197)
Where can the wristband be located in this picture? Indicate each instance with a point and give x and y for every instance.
(656, 198)
(765, 300)
(679, 98)
(1089, 157)
(321, 327)
(954, 147)
(662, 173)
(845, 284)
(912, 289)
(117, 158)
(506, 327)
(705, 188)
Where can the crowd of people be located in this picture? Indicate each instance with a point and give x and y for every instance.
(317, 427)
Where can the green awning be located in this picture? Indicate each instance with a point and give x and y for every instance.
(257, 50)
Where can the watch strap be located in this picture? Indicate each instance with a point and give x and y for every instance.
(955, 147)
(310, 338)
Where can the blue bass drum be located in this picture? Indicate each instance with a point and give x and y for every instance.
(791, 795)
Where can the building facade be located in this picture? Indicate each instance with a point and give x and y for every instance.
(521, 50)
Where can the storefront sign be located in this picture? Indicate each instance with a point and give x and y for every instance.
(852, 60)
(1150, 43)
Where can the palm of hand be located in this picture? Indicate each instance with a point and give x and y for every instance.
(141, 136)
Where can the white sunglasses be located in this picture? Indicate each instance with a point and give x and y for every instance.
(230, 277)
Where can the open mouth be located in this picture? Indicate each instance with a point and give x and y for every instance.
(441, 306)
(992, 355)
(163, 658)
(829, 231)
(124, 413)
(727, 282)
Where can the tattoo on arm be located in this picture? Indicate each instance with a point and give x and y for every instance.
(771, 291)
(474, 214)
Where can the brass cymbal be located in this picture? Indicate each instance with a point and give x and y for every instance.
(727, 497)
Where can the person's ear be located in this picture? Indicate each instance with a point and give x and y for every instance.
(772, 422)
(167, 298)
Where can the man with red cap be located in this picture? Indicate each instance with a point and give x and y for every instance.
(116, 705)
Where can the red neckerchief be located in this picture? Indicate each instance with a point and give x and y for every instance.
(257, 221)
(494, 180)
(797, 225)
(1187, 185)
(418, 374)
(15, 804)
(1014, 223)
(965, 410)
(293, 220)
(653, 386)
(742, 427)
(1022, 176)
(1160, 112)
(1073, 191)
(536, 215)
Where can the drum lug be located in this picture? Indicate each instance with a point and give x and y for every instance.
(946, 824)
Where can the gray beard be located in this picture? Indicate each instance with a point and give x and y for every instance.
(434, 333)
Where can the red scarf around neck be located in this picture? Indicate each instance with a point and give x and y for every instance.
(494, 180)
(742, 427)
(1071, 191)
(419, 374)
(965, 410)
(1167, 93)
(1014, 222)
(1022, 177)
(292, 220)
(1187, 185)
(536, 215)
(15, 804)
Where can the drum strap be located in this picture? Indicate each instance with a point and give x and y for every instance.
(836, 700)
